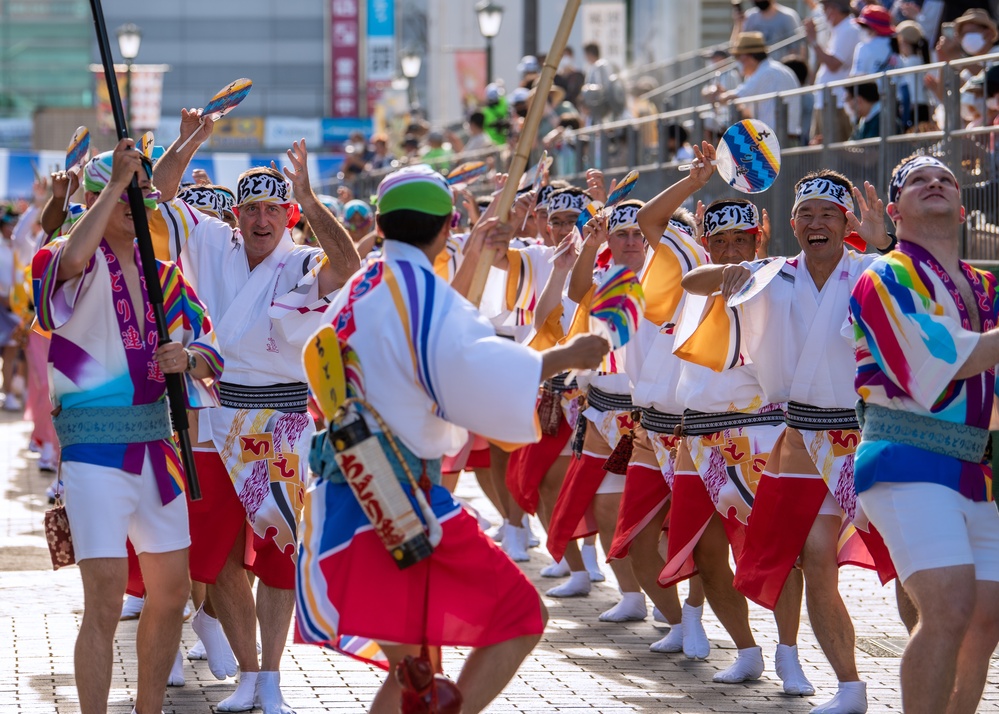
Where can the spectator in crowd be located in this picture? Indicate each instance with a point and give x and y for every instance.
(725, 80)
(874, 53)
(356, 156)
(438, 155)
(955, 9)
(913, 50)
(974, 34)
(411, 149)
(763, 75)
(518, 101)
(555, 107)
(381, 157)
(597, 86)
(643, 108)
(865, 99)
(529, 69)
(775, 21)
(834, 58)
(496, 112)
(478, 139)
(358, 219)
(572, 78)
(800, 68)
(678, 143)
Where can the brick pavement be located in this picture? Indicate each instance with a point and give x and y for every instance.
(581, 665)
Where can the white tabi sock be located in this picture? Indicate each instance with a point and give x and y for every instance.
(242, 699)
(850, 699)
(789, 670)
(748, 665)
(131, 608)
(632, 608)
(176, 678)
(269, 697)
(577, 585)
(555, 570)
(589, 553)
(695, 639)
(515, 544)
(532, 540)
(197, 652)
(221, 660)
(658, 616)
(672, 642)
(499, 531)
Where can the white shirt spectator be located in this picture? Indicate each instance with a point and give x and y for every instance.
(873, 56)
(771, 76)
(842, 44)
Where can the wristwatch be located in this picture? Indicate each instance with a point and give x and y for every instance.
(192, 363)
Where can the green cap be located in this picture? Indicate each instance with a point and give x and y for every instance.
(415, 188)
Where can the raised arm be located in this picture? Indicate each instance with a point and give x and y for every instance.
(551, 296)
(581, 277)
(332, 236)
(89, 230)
(654, 216)
(53, 214)
(710, 278)
(169, 170)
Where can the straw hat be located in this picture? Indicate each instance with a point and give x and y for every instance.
(748, 43)
(555, 95)
(975, 16)
(911, 32)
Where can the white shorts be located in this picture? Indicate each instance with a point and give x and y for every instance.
(612, 483)
(107, 505)
(926, 526)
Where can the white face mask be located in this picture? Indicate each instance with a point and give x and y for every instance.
(993, 103)
(973, 42)
(968, 113)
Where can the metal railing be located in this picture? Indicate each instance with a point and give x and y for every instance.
(619, 147)
(642, 144)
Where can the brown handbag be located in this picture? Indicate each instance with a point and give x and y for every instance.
(58, 537)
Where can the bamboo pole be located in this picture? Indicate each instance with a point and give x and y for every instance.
(527, 136)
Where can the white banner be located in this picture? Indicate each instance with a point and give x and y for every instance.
(605, 23)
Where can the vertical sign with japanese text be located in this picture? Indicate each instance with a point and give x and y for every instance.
(605, 24)
(344, 36)
(381, 51)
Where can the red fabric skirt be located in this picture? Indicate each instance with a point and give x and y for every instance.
(784, 512)
(572, 516)
(529, 465)
(215, 524)
(645, 493)
(477, 595)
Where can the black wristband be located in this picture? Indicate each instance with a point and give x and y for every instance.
(891, 246)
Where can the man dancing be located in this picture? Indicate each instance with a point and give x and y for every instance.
(927, 347)
(122, 473)
(427, 386)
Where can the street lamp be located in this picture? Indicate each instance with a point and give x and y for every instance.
(490, 18)
(411, 62)
(129, 39)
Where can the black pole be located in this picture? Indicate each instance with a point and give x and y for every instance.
(489, 60)
(174, 385)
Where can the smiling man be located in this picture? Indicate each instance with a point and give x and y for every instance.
(269, 294)
(791, 328)
(120, 465)
(927, 346)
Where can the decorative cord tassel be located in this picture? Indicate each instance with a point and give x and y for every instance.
(617, 462)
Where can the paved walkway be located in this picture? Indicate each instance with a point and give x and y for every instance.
(581, 665)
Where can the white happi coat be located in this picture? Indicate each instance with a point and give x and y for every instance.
(262, 318)
(792, 332)
(429, 362)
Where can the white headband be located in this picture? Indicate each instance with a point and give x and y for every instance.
(623, 217)
(825, 190)
(261, 188)
(903, 173)
(679, 226)
(203, 198)
(731, 217)
(567, 201)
